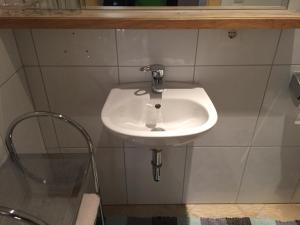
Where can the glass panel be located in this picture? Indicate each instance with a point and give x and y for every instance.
(51, 178)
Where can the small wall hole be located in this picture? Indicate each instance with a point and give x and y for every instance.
(232, 34)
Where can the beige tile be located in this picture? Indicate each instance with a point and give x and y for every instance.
(221, 210)
(251, 210)
(280, 212)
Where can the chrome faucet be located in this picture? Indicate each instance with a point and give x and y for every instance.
(158, 72)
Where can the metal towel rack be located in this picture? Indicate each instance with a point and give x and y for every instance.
(15, 158)
(21, 216)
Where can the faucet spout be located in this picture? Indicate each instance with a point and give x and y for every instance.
(158, 72)
(157, 85)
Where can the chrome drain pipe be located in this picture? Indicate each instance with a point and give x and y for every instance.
(156, 164)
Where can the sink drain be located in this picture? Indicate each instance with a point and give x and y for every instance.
(158, 129)
(157, 106)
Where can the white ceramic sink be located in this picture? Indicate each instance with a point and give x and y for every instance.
(177, 116)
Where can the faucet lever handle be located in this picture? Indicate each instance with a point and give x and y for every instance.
(156, 69)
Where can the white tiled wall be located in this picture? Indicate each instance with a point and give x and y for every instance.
(76, 47)
(213, 174)
(249, 156)
(250, 47)
(140, 185)
(167, 47)
(278, 169)
(112, 175)
(231, 90)
(15, 98)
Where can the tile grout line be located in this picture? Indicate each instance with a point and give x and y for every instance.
(6, 154)
(123, 145)
(184, 174)
(257, 118)
(44, 89)
(21, 60)
(117, 54)
(26, 76)
(28, 86)
(125, 172)
(295, 191)
(170, 66)
(11, 76)
(196, 53)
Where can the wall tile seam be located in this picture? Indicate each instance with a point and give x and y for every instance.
(195, 59)
(234, 65)
(125, 173)
(184, 173)
(117, 54)
(29, 89)
(257, 118)
(245, 146)
(295, 191)
(292, 64)
(170, 66)
(276, 146)
(20, 58)
(18, 48)
(85, 147)
(179, 148)
(11, 76)
(6, 81)
(45, 92)
(25, 73)
(5, 149)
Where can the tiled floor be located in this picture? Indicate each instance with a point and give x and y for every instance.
(281, 212)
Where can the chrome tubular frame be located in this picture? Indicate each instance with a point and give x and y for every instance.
(21, 216)
(15, 158)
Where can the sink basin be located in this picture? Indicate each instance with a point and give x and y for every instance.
(177, 116)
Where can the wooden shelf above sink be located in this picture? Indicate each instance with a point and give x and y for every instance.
(148, 19)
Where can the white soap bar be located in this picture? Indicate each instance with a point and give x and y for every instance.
(88, 209)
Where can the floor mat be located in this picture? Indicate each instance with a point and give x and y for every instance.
(193, 221)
